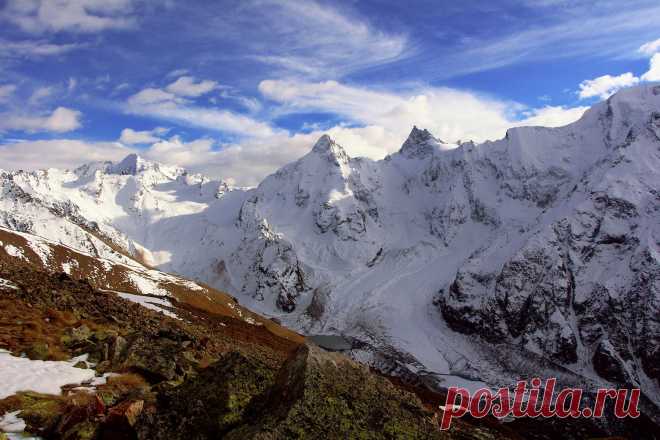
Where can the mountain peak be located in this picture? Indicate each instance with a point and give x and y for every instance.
(420, 143)
(331, 150)
(130, 165)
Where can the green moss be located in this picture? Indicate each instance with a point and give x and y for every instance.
(212, 402)
(38, 351)
(399, 429)
(82, 431)
(320, 395)
(108, 398)
(40, 412)
(104, 333)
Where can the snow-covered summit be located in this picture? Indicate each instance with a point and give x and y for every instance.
(131, 164)
(420, 144)
(135, 165)
(327, 148)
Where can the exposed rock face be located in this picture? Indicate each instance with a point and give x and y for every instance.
(420, 144)
(210, 404)
(581, 287)
(321, 394)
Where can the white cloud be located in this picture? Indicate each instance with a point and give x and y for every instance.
(377, 122)
(605, 86)
(187, 86)
(61, 153)
(248, 161)
(175, 151)
(34, 48)
(59, 121)
(243, 163)
(215, 119)
(40, 94)
(387, 117)
(120, 87)
(178, 72)
(151, 96)
(37, 16)
(72, 84)
(6, 90)
(132, 137)
(650, 48)
(160, 104)
(552, 116)
(251, 158)
(653, 73)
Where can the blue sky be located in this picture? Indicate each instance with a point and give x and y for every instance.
(236, 89)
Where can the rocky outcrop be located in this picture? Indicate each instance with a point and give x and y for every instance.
(320, 394)
(209, 405)
(580, 287)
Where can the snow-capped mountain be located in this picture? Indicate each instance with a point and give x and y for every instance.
(481, 262)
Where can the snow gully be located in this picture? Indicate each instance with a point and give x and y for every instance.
(536, 401)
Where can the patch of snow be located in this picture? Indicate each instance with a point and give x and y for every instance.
(14, 251)
(150, 302)
(147, 286)
(6, 284)
(97, 381)
(40, 248)
(10, 422)
(22, 374)
(68, 265)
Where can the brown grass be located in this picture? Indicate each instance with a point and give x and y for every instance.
(22, 326)
(124, 382)
(116, 278)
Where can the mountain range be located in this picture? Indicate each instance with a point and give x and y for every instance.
(442, 263)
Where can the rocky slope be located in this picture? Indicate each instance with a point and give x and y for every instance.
(192, 373)
(460, 264)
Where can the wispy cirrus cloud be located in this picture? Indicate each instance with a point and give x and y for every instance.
(6, 91)
(569, 29)
(307, 38)
(35, 48)
(173, 104)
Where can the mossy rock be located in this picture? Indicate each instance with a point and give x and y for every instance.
(40, 412)
(38, 351)
(80, 333)
(86, 430)
(318, 394)
(156, 358)
(209, 404)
